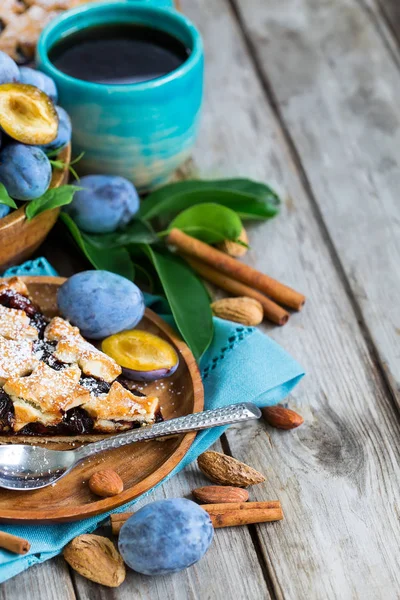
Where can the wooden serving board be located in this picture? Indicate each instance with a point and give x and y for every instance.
(141, 465)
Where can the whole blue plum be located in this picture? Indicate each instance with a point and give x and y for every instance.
(100, 303)
(106, 203)
(4, 210)
(9, 72)
(64, 131)
(165, 536)
(25, 171)
(39, 80)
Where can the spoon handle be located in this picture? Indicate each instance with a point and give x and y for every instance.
(234, 413)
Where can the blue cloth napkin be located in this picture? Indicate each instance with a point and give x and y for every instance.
(242, 364)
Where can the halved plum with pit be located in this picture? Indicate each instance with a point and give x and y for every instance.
(27, 114)
(142, 355)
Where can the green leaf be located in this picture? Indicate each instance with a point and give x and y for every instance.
(209, 222)
(187, 298)
(5, 198)
(143, 275)
(50, 153)
(135, 232)
(250, 199)
(53, 198)
(116, 260)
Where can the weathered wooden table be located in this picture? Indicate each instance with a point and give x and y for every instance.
(304, 94)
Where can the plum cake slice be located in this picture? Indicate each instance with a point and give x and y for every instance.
(45, 395)
(54, 383)
(73, 348)
(120, 408)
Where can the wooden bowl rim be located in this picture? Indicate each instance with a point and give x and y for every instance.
(17, 216)
(107, 504)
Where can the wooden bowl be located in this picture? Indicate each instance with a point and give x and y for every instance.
(141, 466)
(20, 237)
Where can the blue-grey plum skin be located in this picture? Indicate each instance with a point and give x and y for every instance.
(106, 203)
(100, 303)
(9, 72)
(165, 537)
(149, 375)
(39, 80)
(64, 131)
(25, 171)
(4, 210)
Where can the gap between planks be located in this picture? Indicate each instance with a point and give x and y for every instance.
(384, 27)
(387, 11)
(271, 580)
(301, 172)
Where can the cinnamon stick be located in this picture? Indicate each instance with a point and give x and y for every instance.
(224, 263)
(233, 518)
(224, 515)
(226, 506)
(272, 311)
(14, 543)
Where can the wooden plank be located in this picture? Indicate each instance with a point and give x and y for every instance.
(391, 10)
(218, 575)
(337, 68)
(47, 581)
(339, 473)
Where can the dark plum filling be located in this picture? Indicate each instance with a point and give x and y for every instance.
(76, 422)
(95, 386)
(6, 411)
(40, 322)
(158, 418)
(11, 299)
(129, 385)
(44, 351)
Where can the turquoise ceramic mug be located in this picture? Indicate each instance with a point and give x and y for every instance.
(142, 131)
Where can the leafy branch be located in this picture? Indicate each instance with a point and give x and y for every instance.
(211, 211)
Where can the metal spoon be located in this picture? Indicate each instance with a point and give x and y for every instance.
(24, 467)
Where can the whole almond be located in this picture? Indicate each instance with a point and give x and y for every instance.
(106, 483)
(233, 248)
(282, 418)
(244, 310)
(220, 494)
(226, 470)
(96, 558)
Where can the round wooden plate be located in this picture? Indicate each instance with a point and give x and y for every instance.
(140, 465)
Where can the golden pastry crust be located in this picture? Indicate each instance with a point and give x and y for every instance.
(50, 5)
(15, 324)
(16, 358)
(45, 395)
(73, 348)
(120, 405)
(16, 284)
(23, 21)
(18, 39)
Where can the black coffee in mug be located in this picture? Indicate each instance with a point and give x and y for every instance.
(118, 53)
